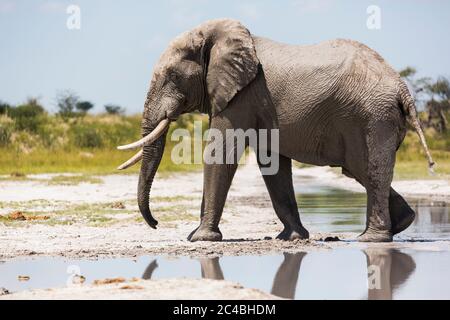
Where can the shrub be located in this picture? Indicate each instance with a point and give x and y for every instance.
(84, 106)
(86, 136)
(29, 116)
(6, 130)
(24, 141)
(4, 108)
(114, 109)
(53, 133)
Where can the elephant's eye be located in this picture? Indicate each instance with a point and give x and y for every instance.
(175, 77)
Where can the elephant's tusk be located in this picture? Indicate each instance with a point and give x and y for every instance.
(151, 137)
(132, 161)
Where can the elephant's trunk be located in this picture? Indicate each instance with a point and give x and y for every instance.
(151, 159)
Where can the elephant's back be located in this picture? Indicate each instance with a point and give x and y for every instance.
(324, 93)
(344, 71)
(327, 57)
(301, 77)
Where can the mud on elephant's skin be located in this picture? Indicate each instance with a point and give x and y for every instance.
(336, 103)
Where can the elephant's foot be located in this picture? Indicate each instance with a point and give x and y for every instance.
(205, 234)
(403, 221)
(371, 235)
(402, 215)
(401, 218)
(289, 235)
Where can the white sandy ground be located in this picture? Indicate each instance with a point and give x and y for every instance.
(438, 190)
(248, 218)
(165, 289)
(248, 182)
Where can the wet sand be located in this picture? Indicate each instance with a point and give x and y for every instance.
(167, 289)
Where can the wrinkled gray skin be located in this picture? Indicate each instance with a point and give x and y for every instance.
(337, 103)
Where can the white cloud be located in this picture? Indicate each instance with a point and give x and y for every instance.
(158, 42)
(186, 14)
(7, 6)
(53, 7)
(308, 6)
(249, 11)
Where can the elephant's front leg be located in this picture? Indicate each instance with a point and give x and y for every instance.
(281, 191)
(217, 182)
(221, 155)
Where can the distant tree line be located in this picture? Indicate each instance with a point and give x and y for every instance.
(30, 119)
(68, 103)
(432, 96)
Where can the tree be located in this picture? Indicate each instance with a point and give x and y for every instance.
(408, 73)
(67, 102)
(114, 109)
(4, 107)
(84, 106)
(439, 105)
(431, 95)
(439, 88)
(418, 86)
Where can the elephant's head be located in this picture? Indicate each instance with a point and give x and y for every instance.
(202, 69)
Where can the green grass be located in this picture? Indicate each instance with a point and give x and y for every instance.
(101, 161)
(412, 163)
(86, 145)
(93, 214)
(410, 170)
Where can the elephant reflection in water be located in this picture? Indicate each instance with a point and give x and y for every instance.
(393, 269)
(285, 280)
(149, 270)
(211, 269)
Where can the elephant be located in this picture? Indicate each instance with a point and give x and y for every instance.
(336, 103)
(286, 278)
(210, 269)
(395, 268)
(149, 270)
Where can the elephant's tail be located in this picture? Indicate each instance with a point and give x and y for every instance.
(409, 108)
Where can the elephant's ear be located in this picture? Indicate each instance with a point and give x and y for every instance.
(233, 63)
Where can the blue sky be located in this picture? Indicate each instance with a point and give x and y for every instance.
(110, 59)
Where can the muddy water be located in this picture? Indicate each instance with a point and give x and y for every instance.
(339, 274)
(344, 273)
(327, 209)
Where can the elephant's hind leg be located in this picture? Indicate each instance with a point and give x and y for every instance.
(381, 147)
(281, 191)
(401, 213)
